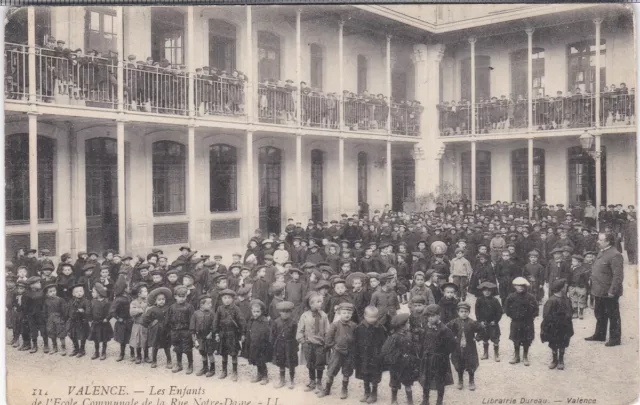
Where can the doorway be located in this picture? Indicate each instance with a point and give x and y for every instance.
(270, 162)
(317, 181)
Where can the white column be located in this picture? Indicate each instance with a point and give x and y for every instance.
(341, 174)
(191, 180)
(529, 32)
(31, 42)
(251, 85)
(341, 70)
(191, 50)
(598, 23)
(299, 176)
(120, 68)
(473, 174)
(530, 174)
(33, 178)
(73, 187)
(389, 83)
(472, 42)
(122, 214)
(298, 66)
(251, 204)
(389, 168)
(598, 162)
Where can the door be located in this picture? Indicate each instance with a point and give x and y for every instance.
(270, 162)
(403, 176)
(101, 172)
(582, 176)
(317, 179)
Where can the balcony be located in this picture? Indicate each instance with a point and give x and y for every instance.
(219, 95)
(156, 89)
(362, 113)
(405, 118)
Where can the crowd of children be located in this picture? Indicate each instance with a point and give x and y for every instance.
(330, 293)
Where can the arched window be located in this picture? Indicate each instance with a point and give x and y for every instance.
(363, 72)
(582, 176)
(520, 174)
(483, 78)
(222, 45)
(268, 56)
(316, 66)
(582, 66)
(519, 72)
(317, 184)
(169, 178)
(362, 177)
(223, 178)
(483, 175)
(167, 35)
(17, 177)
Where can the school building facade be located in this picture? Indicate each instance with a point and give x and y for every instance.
(131, 155)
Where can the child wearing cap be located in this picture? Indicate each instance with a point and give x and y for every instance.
(229, 329)
(557, 324)
(359, 294)
(120, 311)
(482, 272)
(178, 321)
(277, 292)
(339, 296)
(258, 333)
(488, 313)
(386, 300)
(535, 273)
(436, 345)
(260, 286)
(101, 330)
(65, 281)
(284, 344)
(55, 316)
(340, 339)
(78, 320)
(578, 283)
(137, 308)
(201, 326)
(20, 321)
(449, 302)
(295, 291)
(155, 320)
(461, 272)
(431, 281)
(34, 312)
(420, 289)
(417, 317)
(400, 355)
(311, 332)
(369, 339)
(465, 356)
(522, 307)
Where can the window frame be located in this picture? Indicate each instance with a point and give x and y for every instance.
(520, 157)
(482, 89)
(363, 177)
(161, 174)
(226, 167)
(590, 82)
(483, 174)
(165, 30)
(316, 66)
(588, 175)
(267, 43)
(220, 33)
(362, 73)
(102, 47)
(519, 77)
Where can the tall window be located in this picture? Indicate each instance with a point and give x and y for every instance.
(317, 185)
(169, 178)
(167, 35)
(582, 65)
(398, 86)
(403, 174)
(582, 176)
(520, 174)
(316, 66)
(17, 177)
(483, 174)
(363, 72)
(223, 178)
(17, 23)
(100, 30)
(362, 177)
(222, 45)
(268, 56)
(483, 78)
(519, 72)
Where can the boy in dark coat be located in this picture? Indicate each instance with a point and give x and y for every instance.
(386, 300)
(55, 316)
(417, 318)
(260, 287)
(201, 327)
(436, 346)
(535, 273)
(257, 347)
(400, 354)
(311, 333)
(449, 303)
(178, 321)
(34, 313)
(557, 324)
(101, 330)
(228, 327)
(120, 311)
(78, 320)
(284, 344)
(465, 357)
(522, 308)
(65, 281)
(488, 313)
(367, 359)
(155, 320)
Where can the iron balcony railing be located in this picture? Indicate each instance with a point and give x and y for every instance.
(16, 72)
(277, 104)
(320, 110)
(405, 119)
(219, 95)
(155, 89)
(364, 114)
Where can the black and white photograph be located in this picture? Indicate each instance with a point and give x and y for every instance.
(286, 204)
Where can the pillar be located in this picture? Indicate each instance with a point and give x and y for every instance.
(73, 187)
(473, 174)
(122, 214)
(388, 62)
(341, 70)
(341, 174)
(598, 162)
(299, 176)
(298, 66)
(529, 32)
(191, 180)
(530, 174)
(388, 174)
(598, 23)
(251, 206)
(120, 68)
(191, 50)
(33, 178)
(251, 86)
(472, 42)
(31, 42)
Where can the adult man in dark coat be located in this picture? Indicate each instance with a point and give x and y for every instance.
(607, 275)
(630, 238)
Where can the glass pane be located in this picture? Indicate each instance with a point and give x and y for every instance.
(94, 21)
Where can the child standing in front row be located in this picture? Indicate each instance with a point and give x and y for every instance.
(55, 317)
(557, 323)
(465, 357)
(489, 313)
(139, 334)
(101, 330)
(257, 347)
(400, 354)
(284, 344)
(78, 319)
(522, 308)
(201, 327)
(449, 303)
(369, 338)
(312, 329)
(155, 320)
(228, 326)
(120, 311)
(178, 321)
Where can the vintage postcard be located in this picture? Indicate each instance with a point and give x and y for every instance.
(319, 204)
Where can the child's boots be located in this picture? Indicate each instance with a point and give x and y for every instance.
(96, 354)
(394, 396)
(204, 369)
(189, 367)
(373, 398)
(345, 390)
(46, 346)
(516, 356)
(292, 384)
(223, 372)
(561, 359)
(496, 352)
(485, 355)
(178, 367)
(234, 370)
(311, 386)
(54, 346)
(212, 366)
(367, 392)
(460, 384)
(327, 389)
(63, 347)
(472, 382)
(409, 393)
(34, 346)
(581, 313)
(554, 360)
(281, 381)
(265, 378)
